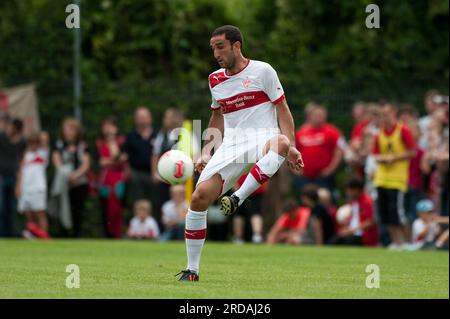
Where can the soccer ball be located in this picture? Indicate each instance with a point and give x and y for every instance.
(175, 167)
(344, 214)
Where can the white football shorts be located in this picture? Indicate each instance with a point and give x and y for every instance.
(232, 160)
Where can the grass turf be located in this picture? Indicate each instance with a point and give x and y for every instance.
(132, 269)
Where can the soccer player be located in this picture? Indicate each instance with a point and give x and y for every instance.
(250, 111)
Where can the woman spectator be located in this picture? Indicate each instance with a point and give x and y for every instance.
(72, 162)
(112, 177)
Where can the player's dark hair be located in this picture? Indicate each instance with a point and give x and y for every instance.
(310, 191)
(232, 33)
(355, 183)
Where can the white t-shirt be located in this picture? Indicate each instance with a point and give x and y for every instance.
(169, 212)
(248, 100)
(148, 226)
(418, 227)
(34, 178)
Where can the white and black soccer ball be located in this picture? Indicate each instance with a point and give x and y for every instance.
(175, 167)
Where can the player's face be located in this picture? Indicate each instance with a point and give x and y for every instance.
(223, 51)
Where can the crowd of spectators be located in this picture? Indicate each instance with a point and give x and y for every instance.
(395, 185)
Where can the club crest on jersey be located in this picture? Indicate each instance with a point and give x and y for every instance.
(246, 83)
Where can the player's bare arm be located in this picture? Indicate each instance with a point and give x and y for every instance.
(214, 136)
(286, 122)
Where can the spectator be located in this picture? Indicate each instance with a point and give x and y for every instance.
(251, 208)
(174, 214)
(326, 199)
(291, 226)
(360, 120)
(165, 140)
(72, 162)
(435, 161)
(143, 225)
(321, 220)
(361, 227)
(415, 179)
(394, 147)
(321, 145)
(12, 146)
(425, 228)
(139, 149)
(31, 188)
(112, 177)
(424, 122)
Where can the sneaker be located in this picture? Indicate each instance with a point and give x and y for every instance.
(257, 239)
(27, 235)
(238, 241)
(187, 275)
(229, 204)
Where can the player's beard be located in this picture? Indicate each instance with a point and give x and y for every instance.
(230, 63)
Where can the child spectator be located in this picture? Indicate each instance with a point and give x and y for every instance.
(143, 225)
(31, 189)
(425, 228)
(320, 220)
(290, 227)
(174, 214)
(326, 199)
(361, 226)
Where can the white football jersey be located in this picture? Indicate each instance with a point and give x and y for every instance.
(248, 99)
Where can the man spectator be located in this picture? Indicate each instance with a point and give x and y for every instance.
(138, 148)
(166, 138)
(424, 121)
(321, 221)
(321, 145)
(393, 149)
(360, 228)
(12, 147)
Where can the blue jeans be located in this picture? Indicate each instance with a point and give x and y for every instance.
(7, 206)
(176, 233)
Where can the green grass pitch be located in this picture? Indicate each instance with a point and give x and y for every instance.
(132, 269)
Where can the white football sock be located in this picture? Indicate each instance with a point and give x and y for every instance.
(195, 234)
(264, 169)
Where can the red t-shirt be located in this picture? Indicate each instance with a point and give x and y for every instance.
(358, 130)
(317, 145)
(366, 212)
(299, 222)
(415, 173)
(407, 138)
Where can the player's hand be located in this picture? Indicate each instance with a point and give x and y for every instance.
(295, 160)
(201, 162)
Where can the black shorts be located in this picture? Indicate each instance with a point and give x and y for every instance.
(251, 206)
(390, 205)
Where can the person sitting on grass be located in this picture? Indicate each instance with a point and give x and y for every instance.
(426, 229)
(291, 226)
(143, 225)
(360, 227)
(174, 213)
(321, 221)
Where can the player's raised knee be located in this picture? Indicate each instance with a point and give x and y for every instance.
(200, 199)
